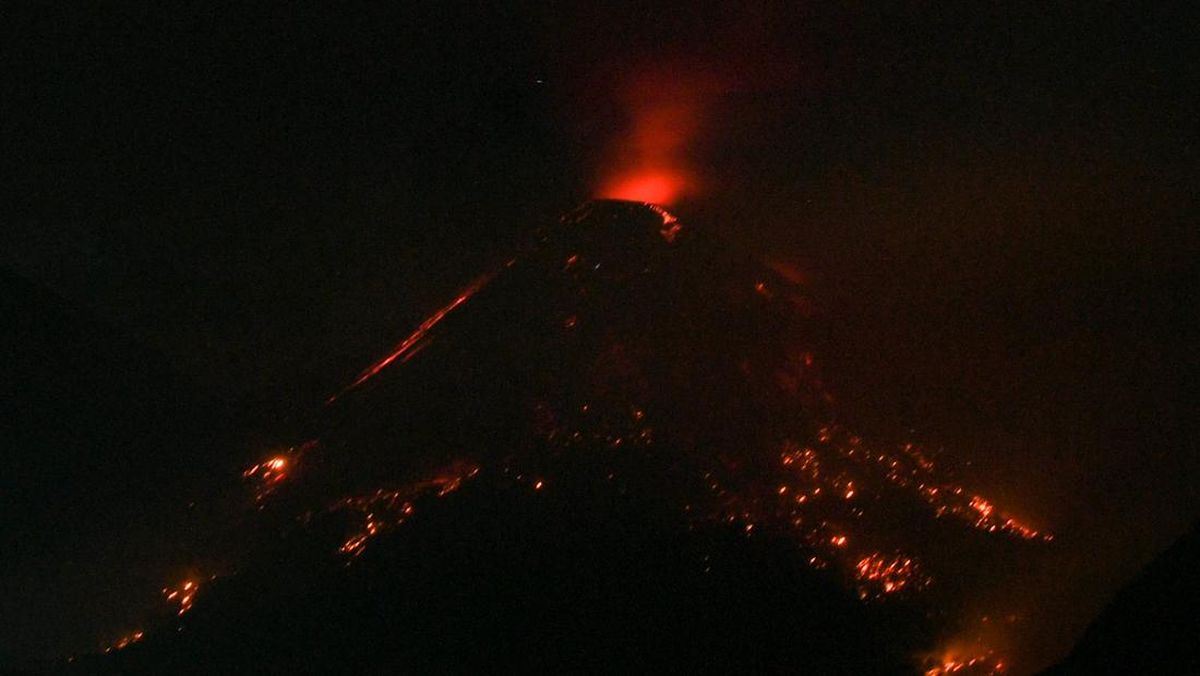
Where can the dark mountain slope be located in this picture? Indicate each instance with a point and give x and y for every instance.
(614, 448)
(104, 447)
(1151, 626)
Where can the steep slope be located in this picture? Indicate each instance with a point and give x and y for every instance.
(639, 409)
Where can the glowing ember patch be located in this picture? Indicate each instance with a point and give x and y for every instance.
(125, 641)
(982, 506)
(385, 509)
(990, 520)
(271, 472)
(978, 665)
(878, 575)
(182, 596)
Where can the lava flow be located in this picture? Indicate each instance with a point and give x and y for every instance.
(412, 344)
(625, 350)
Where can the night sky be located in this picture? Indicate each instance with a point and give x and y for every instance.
(994, 206)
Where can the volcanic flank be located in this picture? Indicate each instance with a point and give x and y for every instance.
(615, 448)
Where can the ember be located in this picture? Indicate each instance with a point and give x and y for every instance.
(182, 596)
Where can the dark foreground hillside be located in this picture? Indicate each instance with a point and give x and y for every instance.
(1151, 626)
(566, 579)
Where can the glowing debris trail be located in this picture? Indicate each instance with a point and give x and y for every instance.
(406, 346)
(978, 665)
(182, 596)
(384, 509)
(268, 474)
(125, 641)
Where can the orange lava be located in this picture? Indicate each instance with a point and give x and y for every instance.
(385, 509)
(654, 186)
(182, 596)
(412, 344)
(272, 470)
(125, 641)
(878, 575)
(982, 665)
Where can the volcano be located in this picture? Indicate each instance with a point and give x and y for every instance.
(614, 449)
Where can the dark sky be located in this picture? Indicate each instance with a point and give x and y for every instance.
(995, 205)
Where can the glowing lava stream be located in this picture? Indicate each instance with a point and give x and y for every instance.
(413, 344)
(405, 347)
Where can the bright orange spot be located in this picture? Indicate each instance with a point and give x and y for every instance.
(651, 159)
(654, 186)
(182, 596)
